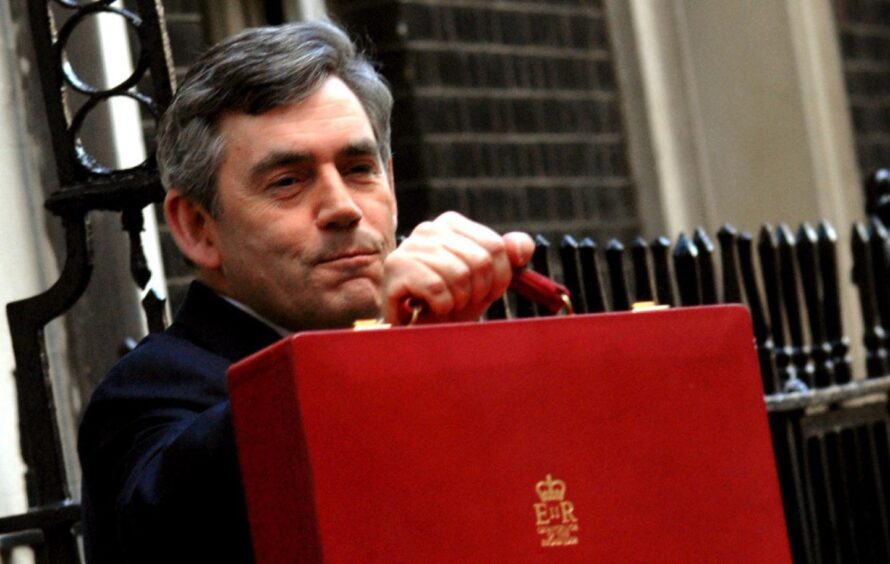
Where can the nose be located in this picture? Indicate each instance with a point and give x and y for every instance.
(337, 208)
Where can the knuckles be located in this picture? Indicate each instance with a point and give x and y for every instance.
(463, 274)
(458, 264)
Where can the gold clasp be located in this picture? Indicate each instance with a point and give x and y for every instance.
(369, 324)
(567, 302)
(638, 307)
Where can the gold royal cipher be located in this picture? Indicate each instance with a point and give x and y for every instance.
(555, 515)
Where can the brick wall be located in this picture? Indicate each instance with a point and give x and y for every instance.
(864, 28)
(507, 111)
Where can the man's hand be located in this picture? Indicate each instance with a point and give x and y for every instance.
(455, 266)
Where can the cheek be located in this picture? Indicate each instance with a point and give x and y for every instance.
(381, 211)
(260, 244)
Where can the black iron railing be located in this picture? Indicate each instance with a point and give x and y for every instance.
(830, 429)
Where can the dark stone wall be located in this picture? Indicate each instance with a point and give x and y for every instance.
(864, 29)
(506, 111)
(185, 29)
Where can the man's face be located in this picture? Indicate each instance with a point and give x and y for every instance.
(307, 211)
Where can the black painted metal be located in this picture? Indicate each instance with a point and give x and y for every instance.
(769, 265)
(46, 477)
(617, 280)
(85, 186)
(791, 300)
(568, 255)
(642, 285)
(541, 263)
(877, 194)
(155, 311)
(728, 239)
(707, 279)
(687, 272)
(873, 336)
(834, 333)
(787, 447)
(590, 271)
(880, 270)
(762, 335)
(660, 250)
(820, 349)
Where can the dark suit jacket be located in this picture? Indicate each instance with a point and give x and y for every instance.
(160, 474)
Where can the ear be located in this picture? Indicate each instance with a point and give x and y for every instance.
(193, 229)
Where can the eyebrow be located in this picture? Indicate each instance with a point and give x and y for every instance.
(276, 159)
(360, 148)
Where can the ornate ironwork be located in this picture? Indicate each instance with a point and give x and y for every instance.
(85, 185)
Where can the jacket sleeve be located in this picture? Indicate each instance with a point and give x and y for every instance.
(161, 479)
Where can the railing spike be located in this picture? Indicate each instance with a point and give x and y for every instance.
(728, 239)
(834, 333)
(541, 256)
(686, 270)
(769, 267)
(155, 308)
(707, 279)
(763, 338)
(591, 272)
(788, 278)
(810, 281)
(568, 256)
(878, 239)
(663, 280)
(874, 336)
(642, 276)
(617, 280)
(877, 194)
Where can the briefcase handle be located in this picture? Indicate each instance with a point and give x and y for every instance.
(529, 284)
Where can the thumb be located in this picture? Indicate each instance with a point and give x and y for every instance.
(520, 248)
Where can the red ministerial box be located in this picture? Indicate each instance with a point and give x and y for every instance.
(594, 438)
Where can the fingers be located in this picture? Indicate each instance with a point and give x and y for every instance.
(457, 267)
(520, 248)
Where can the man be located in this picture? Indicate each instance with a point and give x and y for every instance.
(276, 156)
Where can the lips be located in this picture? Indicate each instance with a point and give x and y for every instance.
(351, 255)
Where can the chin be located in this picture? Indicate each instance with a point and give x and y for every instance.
(350, 306)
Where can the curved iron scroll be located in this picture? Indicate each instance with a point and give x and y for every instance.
(45, 475)
(27, 318)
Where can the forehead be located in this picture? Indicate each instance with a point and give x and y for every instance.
(332, 111)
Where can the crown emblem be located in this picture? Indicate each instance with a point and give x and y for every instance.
(555, 518)
(551, 490)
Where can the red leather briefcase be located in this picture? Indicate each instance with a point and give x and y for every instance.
(593, 438)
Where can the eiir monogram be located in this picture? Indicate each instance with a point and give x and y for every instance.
(555, 515)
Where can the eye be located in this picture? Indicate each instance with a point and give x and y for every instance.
(361, 169)
(283, 182)
(288, 181)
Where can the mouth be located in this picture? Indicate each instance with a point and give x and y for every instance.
(352, 257)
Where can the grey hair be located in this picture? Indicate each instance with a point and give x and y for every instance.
(253, 72)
